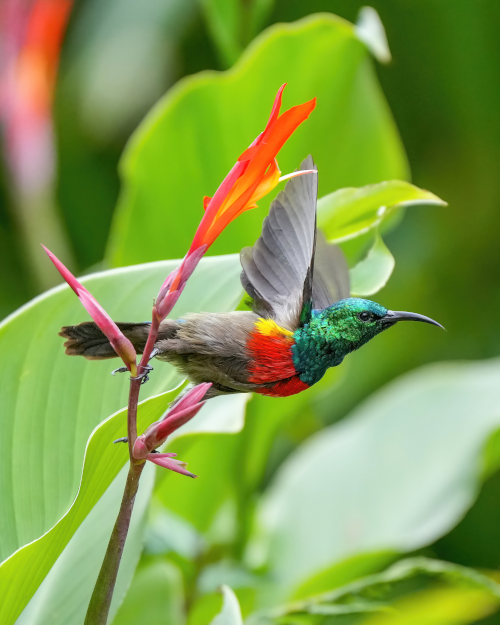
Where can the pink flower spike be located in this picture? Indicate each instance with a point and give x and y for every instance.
(182, 412)
(161, 430)
(167, 462)
(120, 343)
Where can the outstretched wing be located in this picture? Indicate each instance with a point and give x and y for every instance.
(277, 270)
(331, 274)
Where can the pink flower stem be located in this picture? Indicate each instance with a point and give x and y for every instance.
(100, 602)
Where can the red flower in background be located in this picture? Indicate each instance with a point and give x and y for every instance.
(31, 34)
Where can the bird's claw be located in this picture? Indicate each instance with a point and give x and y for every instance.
(123, 439)
(144, 375)
(119, 370)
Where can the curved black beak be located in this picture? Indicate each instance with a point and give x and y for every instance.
(393, 316)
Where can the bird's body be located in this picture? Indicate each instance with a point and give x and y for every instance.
(302, 320)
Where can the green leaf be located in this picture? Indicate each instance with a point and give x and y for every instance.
(224, 21)
(156, 596)
(372, 273)
(64, 595)
(371, 31)
(444, 582)
(396, 475)
(231, 612)
(51, 404)
(169, 164)
(347, 213)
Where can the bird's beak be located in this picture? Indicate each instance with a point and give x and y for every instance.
(393, 316)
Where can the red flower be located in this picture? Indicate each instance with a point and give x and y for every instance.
(254, 175)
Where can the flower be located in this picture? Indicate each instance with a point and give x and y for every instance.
(254, 175)
(31, 37)
(120, 343)
(157, 433)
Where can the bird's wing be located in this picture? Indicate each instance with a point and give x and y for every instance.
(277, 270)
(331, 274)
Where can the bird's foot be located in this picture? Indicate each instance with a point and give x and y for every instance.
(124, 439)
(144, 375)
(119, 370)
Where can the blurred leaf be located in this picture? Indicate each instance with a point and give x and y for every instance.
(371, 31)
(169, 164)
(224, 20)
(441, 581)
(397, 475)
(441, 606)
(230, 613)
(342, 573)
(373, 272)
(347, 213)
(64, 595)
(156, 596)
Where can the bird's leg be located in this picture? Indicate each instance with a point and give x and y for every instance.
(124, 439)
(144, 376)
(119, 370)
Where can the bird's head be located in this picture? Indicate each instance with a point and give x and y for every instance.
(359, 320)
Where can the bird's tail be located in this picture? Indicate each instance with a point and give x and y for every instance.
(87, 340)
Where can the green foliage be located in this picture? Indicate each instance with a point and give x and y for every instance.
(169, 164)
(396, 475)
(347, 213)
(230, 613)
(340, 494)
(46, 390)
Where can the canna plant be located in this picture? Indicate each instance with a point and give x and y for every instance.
(253, 176)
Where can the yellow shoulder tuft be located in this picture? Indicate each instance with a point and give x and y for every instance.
(269, 327)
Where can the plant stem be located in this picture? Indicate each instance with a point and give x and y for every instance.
(97, 613)
(100, 602)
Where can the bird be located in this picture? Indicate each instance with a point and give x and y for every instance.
(302, 319)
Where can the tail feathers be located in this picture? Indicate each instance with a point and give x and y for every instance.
(87, 340)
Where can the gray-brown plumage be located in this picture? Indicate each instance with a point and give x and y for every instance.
(302, 318)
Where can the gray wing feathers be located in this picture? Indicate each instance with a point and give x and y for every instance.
(277, 268)
(331, 274)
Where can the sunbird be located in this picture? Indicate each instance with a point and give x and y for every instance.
(302, 321)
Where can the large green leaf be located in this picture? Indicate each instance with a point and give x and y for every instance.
(24, 571)
(395, 476)
(347, 213)
(51, 403)
(49, 411)
(64, 595)
(169, 164)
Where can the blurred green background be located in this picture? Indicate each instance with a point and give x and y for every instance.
(443, 88)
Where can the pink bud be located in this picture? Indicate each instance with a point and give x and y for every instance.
(179, 414)
(120, 343)
(167, 462)
(140, 451)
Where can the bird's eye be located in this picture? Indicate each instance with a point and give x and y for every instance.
(365, 316)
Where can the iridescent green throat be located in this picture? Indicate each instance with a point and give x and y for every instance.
(331, 334)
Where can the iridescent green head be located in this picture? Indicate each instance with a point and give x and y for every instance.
(336, 331)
